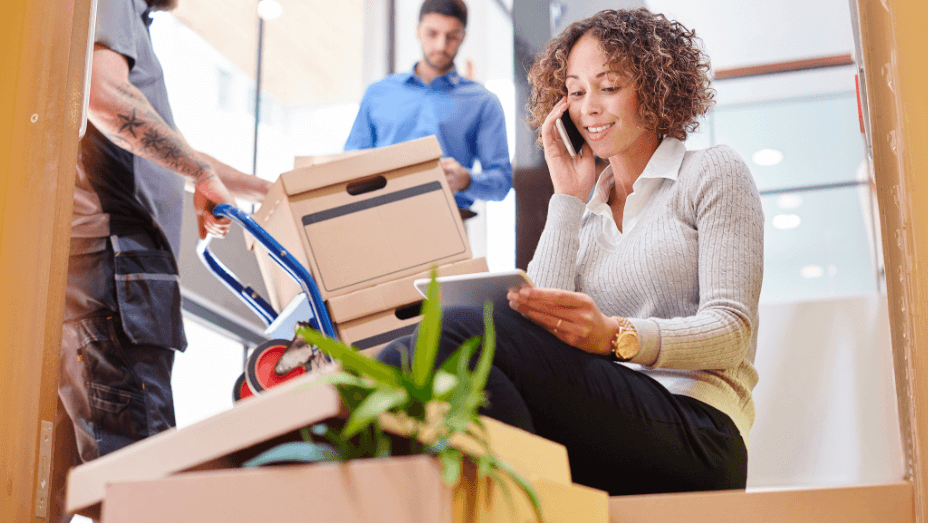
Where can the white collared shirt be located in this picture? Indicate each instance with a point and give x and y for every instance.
(664, 164)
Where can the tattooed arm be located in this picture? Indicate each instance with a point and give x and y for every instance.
(121, 112)
(243, 186)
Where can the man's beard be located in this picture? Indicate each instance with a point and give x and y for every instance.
(161, 5)
(440, 66)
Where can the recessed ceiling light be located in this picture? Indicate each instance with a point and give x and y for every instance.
(269, 9)
(767, 157)
(789, 201)
(786, 221)
(811, 271)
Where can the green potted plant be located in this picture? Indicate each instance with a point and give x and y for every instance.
(429, 406)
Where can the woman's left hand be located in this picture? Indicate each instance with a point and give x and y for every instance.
(571, 316)
(572, 176)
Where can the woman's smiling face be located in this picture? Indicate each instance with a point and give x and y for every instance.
(604, 104)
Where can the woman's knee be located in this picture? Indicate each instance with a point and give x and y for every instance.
(397, 351)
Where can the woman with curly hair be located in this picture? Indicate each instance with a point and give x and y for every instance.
(636, 348)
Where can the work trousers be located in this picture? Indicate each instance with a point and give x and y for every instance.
(624, 432)
(122, 324)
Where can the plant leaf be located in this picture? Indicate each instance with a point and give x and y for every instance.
(451, 465)
(477, 396)
(352, 396)
(295, 452)
(464, 352)
(381, 400)
(458, 416)
(346, 378)
(489, 348)
(423, 360)
(384, 445)
(345, 449)
(350, 359)
(523, 484)
(443, 384)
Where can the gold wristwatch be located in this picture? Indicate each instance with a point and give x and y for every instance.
(625, 342)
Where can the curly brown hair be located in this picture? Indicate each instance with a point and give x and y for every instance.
(665, 60)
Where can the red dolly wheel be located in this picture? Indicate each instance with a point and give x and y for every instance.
(241, 389)
(259, 371)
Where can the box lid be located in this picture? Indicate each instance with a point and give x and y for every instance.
(285, 408)
(353, 166)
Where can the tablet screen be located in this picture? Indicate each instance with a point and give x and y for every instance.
(475, 289)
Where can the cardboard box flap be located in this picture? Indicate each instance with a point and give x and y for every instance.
(285, 408)
(354, 166)
(281, 410)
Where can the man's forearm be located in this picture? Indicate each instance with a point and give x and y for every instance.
(241, 185)
(129, 121)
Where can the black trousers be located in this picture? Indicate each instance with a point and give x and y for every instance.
(624, 432)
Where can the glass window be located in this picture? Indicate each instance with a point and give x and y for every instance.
(807, 158)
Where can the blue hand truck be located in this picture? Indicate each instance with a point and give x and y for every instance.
(284, 356)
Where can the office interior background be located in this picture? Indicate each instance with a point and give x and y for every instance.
(826, 407)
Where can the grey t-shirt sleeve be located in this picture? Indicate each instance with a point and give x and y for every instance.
(115, 27)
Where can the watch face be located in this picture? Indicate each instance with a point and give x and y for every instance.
(626, 346)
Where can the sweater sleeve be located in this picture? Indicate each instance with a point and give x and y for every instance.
(723, 201)
(555, 260)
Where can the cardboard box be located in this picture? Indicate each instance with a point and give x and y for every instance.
(257, 423)
(408, 489)
(886, 503)
(363, 218)
(370, 318)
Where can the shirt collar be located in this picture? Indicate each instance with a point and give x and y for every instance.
(664, 163)
(448, 80)
(666, 160)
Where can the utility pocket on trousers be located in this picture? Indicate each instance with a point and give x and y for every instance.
(108, 399)
(148, 294)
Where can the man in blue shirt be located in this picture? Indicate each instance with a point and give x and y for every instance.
(433, 99)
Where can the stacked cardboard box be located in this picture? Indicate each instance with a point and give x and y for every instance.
(190, 475)
(366, 224)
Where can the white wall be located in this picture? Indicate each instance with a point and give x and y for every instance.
(826, 401)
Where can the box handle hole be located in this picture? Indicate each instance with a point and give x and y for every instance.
(366, 185)
(409, 311)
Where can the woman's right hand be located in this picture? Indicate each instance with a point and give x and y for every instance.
(573, 176)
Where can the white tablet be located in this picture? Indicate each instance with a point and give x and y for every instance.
(475, 289)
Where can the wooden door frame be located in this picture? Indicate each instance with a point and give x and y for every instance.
(43, 45)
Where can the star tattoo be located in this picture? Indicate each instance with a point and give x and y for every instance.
(153, 140)
(130, 123)
(171, 153)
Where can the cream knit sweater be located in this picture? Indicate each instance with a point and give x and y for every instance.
(688, 276)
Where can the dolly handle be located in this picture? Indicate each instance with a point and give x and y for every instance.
(279, 254)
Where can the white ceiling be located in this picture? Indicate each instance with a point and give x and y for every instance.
(311, 55)
(754, 32)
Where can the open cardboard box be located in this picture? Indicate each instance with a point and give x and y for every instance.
(178, 474)
(362, 218)
(406, 489)
(372, 317)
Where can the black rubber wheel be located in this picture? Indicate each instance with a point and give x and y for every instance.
(241, 389)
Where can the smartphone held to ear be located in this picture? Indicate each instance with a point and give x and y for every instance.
(570, 135)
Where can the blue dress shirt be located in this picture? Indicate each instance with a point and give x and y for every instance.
(466, 118)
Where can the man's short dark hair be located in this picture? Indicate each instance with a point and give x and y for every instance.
(455, 8)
